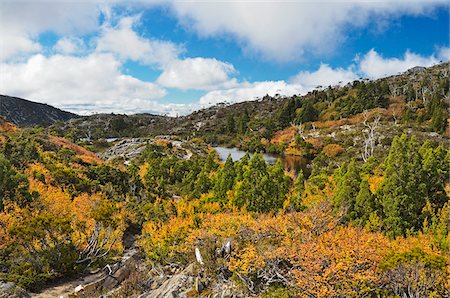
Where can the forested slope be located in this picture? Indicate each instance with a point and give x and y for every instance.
(371, 217)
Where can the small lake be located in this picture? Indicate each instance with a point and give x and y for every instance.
(292, 163)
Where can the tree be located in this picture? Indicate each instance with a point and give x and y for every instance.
(370, 137)
(347, 190)
(202, 183)
(262, 188)
(306, 113)
(413, 177)
(242, 123)
(299, 188)
(225, 180)
(364, 203)
(231, 124)
(13, 186)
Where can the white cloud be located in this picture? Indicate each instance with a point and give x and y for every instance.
(373, 65)
(13, 45)
(285, 31)
(123, 41)
(324, 76)
(197, 73)
(69, 45)
(22, 21)
(94, 82)
(444, 54)
(250, 91)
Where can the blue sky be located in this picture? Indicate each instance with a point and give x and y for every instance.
(172, 57)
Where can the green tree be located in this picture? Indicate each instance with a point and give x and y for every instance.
(261, 189)
(299, 189)
(13, 186)
(231, 124)
(413, 176)
(347, 190)
(225, 181)
(364, 203)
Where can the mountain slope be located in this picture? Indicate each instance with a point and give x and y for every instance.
(23, 112)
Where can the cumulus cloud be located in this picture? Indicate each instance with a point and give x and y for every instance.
(197, 73)
(250, 91)
(373, 65)
(286, 31)
(68, 82)
(324, 76)
(127, 44)
(21, 22)
(444, 54)
(69, 45)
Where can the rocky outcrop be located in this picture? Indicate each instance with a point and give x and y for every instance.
(10, 290)
(113, 276)
(178, 285)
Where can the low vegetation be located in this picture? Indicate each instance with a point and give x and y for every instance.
(370, 217)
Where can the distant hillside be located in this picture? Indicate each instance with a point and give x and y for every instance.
(27, 113)
(419, 96)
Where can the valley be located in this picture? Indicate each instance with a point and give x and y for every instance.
(341, 192)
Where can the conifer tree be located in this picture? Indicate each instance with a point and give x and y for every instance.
(225, 179)
(347, 190)
(299, 189)
(364, 203)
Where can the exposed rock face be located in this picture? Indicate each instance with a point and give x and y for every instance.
(178, 285)
(27, 113)
(126, 148)
(113, 276)
(10, 290)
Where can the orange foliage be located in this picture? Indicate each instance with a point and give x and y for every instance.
(162, 142)
(265, 141)
(284, 136)
(340, 262)
(355, 119)
(396, 106)
(82, 153)
(332, 150)
(6, 126)
(315, 142)
(375, 182)
(311, 250)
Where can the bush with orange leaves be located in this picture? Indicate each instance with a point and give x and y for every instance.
(308, 252)
(332, 150)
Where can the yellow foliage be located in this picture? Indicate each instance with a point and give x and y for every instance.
(143, 170)
(246, 260)
(292, 150)
(84, 154)
(375, 182)
(6, 126)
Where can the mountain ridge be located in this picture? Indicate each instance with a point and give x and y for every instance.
(23, 112)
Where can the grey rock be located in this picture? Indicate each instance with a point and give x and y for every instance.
(10, 290)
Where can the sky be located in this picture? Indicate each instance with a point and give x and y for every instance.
(174, 57)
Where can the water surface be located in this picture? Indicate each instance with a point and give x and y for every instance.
(291, 163)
